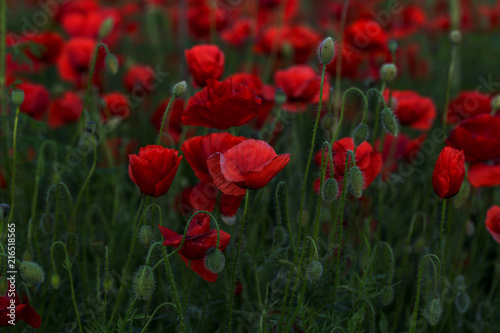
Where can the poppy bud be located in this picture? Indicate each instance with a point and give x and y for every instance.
(31, 272)
(47, 223)
(179, 89)
(111, 63)
(462, 195)
(326, 51)
(388, 72)
(146, 236)
(393, 45)
(106, 27)
(229, 220)
(144, 282)
(215, 261)
(279, 96)
(27, 256)
(433, 311)
(17, 96)
(390, 122)
(456, 37)
(55, 280)
(107, 284)
(495, 104)
(314, 271)
(419, 244)
(4, 210)
(330, 190)
(356, 182)
(279, 235)
(328, 123)
(387, 295)
(360, 134)
(462, 302)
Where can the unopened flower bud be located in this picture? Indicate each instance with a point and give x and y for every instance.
(387, 295)
(433, 311)
(32, 272)
(360, 134)
(106, 27)
(279, 96)
(107, 284)
(4, 210)
(229, 220)
(146, 236)
(393, 45)
(456, 37)
(111, 63)
(17, 96)
(419, 244)
(279, 235)
(356, 182)
(330, 190)
(55, 280)
(144, 282)
(462, 302)
(179, 89)
(314, 271)
(215, 261)
(495, 103)
(390, 122)
(326, 51)
(462, 195)
(388, 72)
(47, 223)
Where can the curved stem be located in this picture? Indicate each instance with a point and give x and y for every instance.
(343, 108)
(158, 142)
(173, 289)
(154, 312)
(377, 112)
(128, 313)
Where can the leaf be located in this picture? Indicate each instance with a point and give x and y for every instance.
(382, 324)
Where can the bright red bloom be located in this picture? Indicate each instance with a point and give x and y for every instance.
(408, 22)
(154, 169)
(140, 79)
(251, 164)
(398, 149)
(174, 118)
(477, 137)
(238, 33)
(205, 62)
(115, 105)
(36, 99)
(349, 63)
(23, 311)
(484, 175)
(65, 109)
(493, 222)
(203, 197)
(468, 104)
(367, 36)
(412, 109)
(301, 84)
(199, 240)
(48, 47)
(199, 16)
(222, 105)
(449, 172)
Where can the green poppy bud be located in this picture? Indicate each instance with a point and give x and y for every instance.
(279, 235)
(32, 272)
(456, 37)
(55, 280)
(387, 295)
(179, 89)
(146, 236)
(106, 27)
(356, 182)
(360, 134)
(144, 282)
(390, 122)
(215, 261)
(388, 72)
(107, 284)
(111, 63)
(314, 271)
(17, 96)
(330, 190)
(433, 311)
(326, 51)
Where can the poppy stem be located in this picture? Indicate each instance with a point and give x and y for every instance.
(448, 86)
(343, 108)
(158, 142)
(3, 79)
(173, 290)
(235, 263)
(128, 314)
(377, 112)
(338, 69)
(154, 312)
(443, 214)
(13, 177)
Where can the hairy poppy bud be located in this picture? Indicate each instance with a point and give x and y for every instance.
(387, 295)
(4, 210)
(179, 89)
(17, 96)
(144, 282)
(462, 302)
(106, 27)
(279, 235)
(215, 261)
(32, 272)
(314, 271)
(495, 104)
(107, 284)
(360, 134)
(456, 37)
(111, 63)
(55, 280)
(356, 182)
(47, 223)
(433, 311)
(326, 51)
(229, 220)
(146, 236)
(330, 190)
(390, 122)
(388, 72)
(462, 195)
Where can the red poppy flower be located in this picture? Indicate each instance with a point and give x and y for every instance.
(154, 169)
(48, 46)
(412, 109)
(349, 63)
(140, 79)
(203, 197)
(205, 62)
(21, 311)
(400, 148)
(477, 137)
(251, 164)
(449, 172)
(367, 36)
(301, 85)
(238, 33)
(409, 21)
(36, 99)
(493, 222)
(66, 109)
(115, 105)
(200, 16)
(174, 118)
(484, 175)
(199, 240)
(222, 105)
(468, 104)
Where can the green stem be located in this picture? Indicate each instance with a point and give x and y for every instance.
(154, 312)
(377, 113)
(338, 71)
(443, 213)
(163, 120)
(128, 314)
(343, 108)
(13, 177)
(278, 211)
(448, 86)
(173, 290)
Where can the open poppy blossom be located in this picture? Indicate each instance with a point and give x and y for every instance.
(154, 169)
(250, 164)
(205, 62)
(115, 105)
(22, 311)
(449, 172)
(222, 105)
(48, 46)
(493, 222)
(204, 197)
(139, 79)
(65, 109)
(412, 109)
(366, 35)
(199, 240)
(468, 104)
(484, 175)
(36, 100)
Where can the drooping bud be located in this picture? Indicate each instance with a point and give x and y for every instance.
(111, 62)
(279, 235)
(330, 190)
(215, 261)
(106, 27)
(55, 280)
(146, 236)
(387, 295)
(4, 210)
(433, 311)
(462, 195)
(419, 244)
(356, 182)
(47, 223)
(280, 96)
(360, 134)
(388, 72)
(17, 96)
(462, 302)
(314, 271)
(390, 122)
(456, 37)
(326, 51)
(144, 282)
(179, 89)
(32, 272)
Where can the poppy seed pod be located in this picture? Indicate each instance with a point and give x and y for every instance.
(456, 37)
(360, 134)
(215, 261)
(17, 96)
(330, 190)
(55, 280)
(326, 51)
(314, 271)
(390, 122)
(146, 236)
(356, 182)
(388, 72)
(279, 235)
(433, 311)
(179, 89)
(111, 62)
(32, 272)
(106, 27)
(144, 282)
